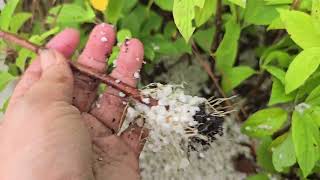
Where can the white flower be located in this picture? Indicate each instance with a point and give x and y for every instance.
(104, 39)
(121, 94)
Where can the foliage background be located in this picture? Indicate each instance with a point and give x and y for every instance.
(265, 51)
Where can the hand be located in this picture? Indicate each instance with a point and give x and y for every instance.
(55, 127)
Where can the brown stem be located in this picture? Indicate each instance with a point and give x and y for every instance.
(20, 41)
(281, 131)
(295, 4)
(110, 81)
(207, 68)
(218, 24)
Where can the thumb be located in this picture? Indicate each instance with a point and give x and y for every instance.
(56, 82)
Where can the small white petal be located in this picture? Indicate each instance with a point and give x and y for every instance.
(136, 75)
(146, 100)
(121, 94)
(104, 39)
(140, 122)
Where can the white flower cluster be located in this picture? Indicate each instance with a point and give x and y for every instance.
(167, 153)
(171, 121)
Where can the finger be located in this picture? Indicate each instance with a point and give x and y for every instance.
(65, 42)
(135, 136)
(98, 47)
(94, 55)
(129, 62)
(95, 127)
(111, 106)
(56, 81)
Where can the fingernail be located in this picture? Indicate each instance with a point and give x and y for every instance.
(48, 58)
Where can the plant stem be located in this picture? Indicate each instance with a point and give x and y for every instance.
(295, 4)
(123, 87)
(218, 23)
(207, 68)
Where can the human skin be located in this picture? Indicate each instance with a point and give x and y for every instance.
(56, 128)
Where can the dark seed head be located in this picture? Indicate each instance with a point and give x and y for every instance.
(209, 126)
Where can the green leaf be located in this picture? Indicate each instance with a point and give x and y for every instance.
(305, 135)
(204, 38)
(203, 14)
(70, 13)
(276, 24)
(259, 176)
(315, 9)
(113, 11)
(122, 35)
(234, 76)
(301, 68)
(264, 122)
(315, 114)
(153, 24)
(228, 48)
(165, 4)
(278, 94)
(5, 105)
(283, 155)
(314, 97)
(184, 14)
(5, 78)
(7, 14)
(264, 155)
(129, 5)
(241, 3)
(114, 55)
(311, 83)
(316, 14)
(182, 46)
(18, 20)
(301, 28)
(277, 2)
(282, 58)
(170, 30)
(162, 45)
(134, 20)
(279, 140)
(258, 13)
(306, 5)
(24, 54)
(276, 72)
(149, 52)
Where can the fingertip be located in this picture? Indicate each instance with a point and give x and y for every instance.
(65, 42)
(99, 45)
(129, 62)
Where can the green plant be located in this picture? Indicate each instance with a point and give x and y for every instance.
(293, 106)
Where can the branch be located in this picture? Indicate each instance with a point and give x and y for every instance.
(207, 68)
(20, 41)
(106, 79)
(295, 4)
(218, 23)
